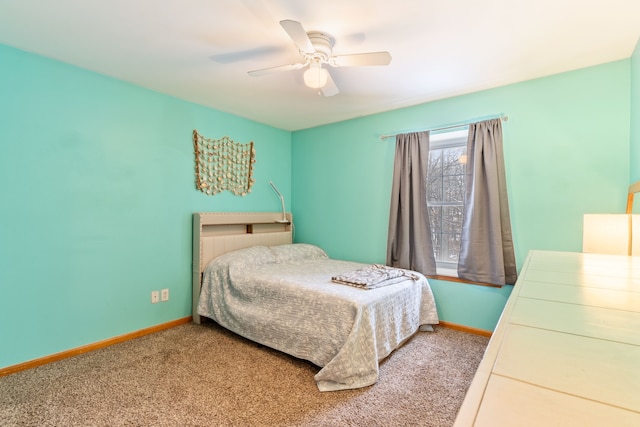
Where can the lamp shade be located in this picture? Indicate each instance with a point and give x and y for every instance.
(316, 76)
(617, 234)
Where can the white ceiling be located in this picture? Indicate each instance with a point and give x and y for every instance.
(201, 50)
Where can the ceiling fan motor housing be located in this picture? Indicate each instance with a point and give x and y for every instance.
(323, 45)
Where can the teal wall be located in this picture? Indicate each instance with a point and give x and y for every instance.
(566, 153)
(635, 119)
(97, 191)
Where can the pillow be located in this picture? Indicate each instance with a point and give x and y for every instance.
(297, 252)
(245, 258)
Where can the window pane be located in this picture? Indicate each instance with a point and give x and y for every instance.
(454, 161)
(452, 243)
(435, 218)
(434, 176)
(435, 189)
(452, 219)
(435, 162)
(453, 188)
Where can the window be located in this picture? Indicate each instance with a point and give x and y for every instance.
(445, 197)
(440, 187)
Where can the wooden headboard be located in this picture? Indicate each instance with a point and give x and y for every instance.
(215, 233)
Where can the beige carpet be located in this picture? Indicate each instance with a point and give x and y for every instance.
(195, 375)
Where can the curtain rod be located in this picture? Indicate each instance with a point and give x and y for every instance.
(466, 123)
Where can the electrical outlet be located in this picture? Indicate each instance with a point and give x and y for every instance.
(164, 295)
(155, 297)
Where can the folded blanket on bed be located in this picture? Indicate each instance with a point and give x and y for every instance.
(374, 276)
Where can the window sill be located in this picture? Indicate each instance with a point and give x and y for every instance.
(459, 280)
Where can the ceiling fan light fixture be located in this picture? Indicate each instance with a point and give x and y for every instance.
(316, 76)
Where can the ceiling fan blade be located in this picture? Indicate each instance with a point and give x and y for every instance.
(361, 59)
(265, 71)
(298, 35)
(330, 88)
(244, 55)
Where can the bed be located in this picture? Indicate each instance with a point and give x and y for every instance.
(250, 278)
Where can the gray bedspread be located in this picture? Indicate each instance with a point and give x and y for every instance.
(283, 297)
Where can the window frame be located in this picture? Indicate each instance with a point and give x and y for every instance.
(438, 141)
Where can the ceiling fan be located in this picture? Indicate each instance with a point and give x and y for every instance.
(316, 49)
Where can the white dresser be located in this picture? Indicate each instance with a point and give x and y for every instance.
(566, 351)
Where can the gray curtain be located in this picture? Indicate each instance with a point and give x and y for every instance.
(486, 249)
(409, 241)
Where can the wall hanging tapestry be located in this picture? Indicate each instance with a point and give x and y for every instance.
(222, 164)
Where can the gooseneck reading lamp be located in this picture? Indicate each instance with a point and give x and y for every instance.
(284, 219)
